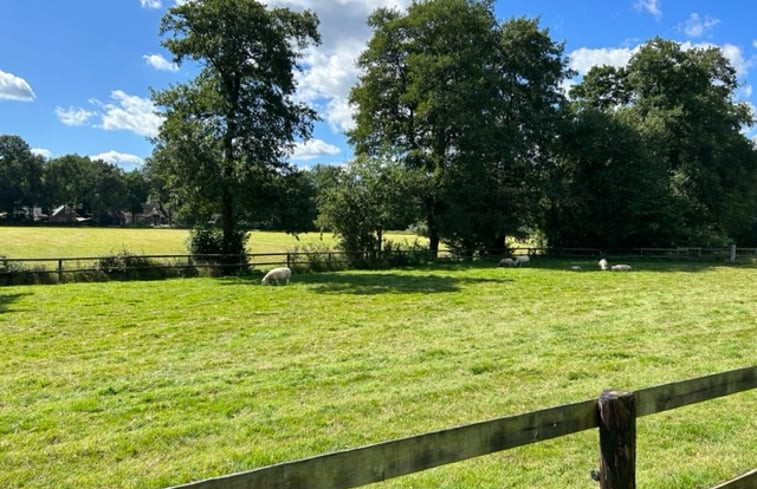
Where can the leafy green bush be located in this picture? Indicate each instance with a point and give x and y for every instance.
(316, 257)
(15, 273)
(126, 265)
(398, 255)
(207, 244)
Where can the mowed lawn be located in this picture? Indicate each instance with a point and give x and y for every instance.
(64, 242)
(151, 384)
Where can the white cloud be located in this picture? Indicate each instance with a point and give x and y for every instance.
(313, 149)
(130, 113)
(651, 6)
(731, 52)
(329, 71)
(158, 62)
(13, 87)
(696, 26)
(150, 3)
(74, 116)
(123, 160)
(584, 59)
(45, 153)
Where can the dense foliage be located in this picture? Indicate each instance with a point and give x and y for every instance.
(463, 129)
(226, 131)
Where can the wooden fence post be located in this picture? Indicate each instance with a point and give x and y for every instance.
(617, 440)
(60, 270)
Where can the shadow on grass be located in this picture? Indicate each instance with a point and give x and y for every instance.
(638, 264)
(7, 299)
(382, 282)
(388, 283)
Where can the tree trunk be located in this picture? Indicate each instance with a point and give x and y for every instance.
(433, 231)
(497, 246)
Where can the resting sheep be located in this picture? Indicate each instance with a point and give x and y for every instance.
(621, 268)
(277, 274)
(522, 260)
(506, 262)
(603, 264)
(575, 268)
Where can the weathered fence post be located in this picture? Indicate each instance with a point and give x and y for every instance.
(733, 253)
(60, 270)
(289, 262)
(617, 440)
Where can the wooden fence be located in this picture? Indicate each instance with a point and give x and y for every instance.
(60, 267)
(614, 413)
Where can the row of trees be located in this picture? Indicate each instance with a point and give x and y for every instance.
(93, 187)
(462, 124)
(462, 127)
(651, 154)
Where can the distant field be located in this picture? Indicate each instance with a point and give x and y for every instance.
(44, 242)
(150, 384)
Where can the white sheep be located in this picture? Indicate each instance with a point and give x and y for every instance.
(575, 268)
(506, 262)
(276, 275)
(621, 268)
(603, 264)
(522, 260)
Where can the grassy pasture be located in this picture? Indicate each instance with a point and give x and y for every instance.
(150, 384)
(44, 242)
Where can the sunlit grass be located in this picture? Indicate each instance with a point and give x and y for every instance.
(46, 242)
(150, 384)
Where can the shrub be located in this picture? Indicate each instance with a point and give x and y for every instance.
(126, 265)
(15, 273)
(397, 255)
(316, 257)
(207, 244)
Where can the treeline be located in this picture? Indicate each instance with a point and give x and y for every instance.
(32, 187)
(463, 130)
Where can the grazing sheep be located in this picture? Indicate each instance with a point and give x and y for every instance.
(521, 260)
(506, 262)
(575, 268)
(621, 268)
(277, 274)
(603, 264)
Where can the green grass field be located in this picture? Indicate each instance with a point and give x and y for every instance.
(151, 384)
(45, 242)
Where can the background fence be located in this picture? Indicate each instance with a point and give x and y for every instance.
(614, 413)
(143, 266)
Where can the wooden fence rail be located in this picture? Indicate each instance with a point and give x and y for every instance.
(381, 461)
(67, 265)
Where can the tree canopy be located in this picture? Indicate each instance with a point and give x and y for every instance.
(681, 104)
(448, 89)
(227, 130)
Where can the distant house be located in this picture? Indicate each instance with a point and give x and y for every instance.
(151, 215)
(66, 215)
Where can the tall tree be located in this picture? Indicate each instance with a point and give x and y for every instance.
(366, 198)
(605, 188)
(235, 121)
(418, 96)
(20, 175)
(137, 191)
(682, 103)
(448, 90)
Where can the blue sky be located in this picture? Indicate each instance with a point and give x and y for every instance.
(75, 76)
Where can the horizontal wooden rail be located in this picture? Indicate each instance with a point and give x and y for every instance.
(676, 394)
(381, 461)
(374, 463)
(746, 481)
